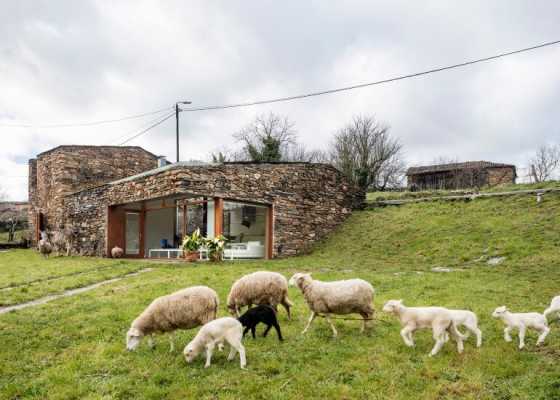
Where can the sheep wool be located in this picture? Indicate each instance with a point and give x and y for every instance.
(352, 296)
(261, 287)
(184, 309)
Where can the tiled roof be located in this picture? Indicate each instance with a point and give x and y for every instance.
(455, 166)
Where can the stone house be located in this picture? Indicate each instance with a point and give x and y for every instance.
(465, 175)
(126, 197)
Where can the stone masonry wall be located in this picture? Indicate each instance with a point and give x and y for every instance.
(501, 176)
(66, 169)
(309, 200)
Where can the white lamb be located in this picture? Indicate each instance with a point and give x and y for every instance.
(353, 296)
(554, 308)
(469, 320)
(213, 334)
(439, 319)
(261, 287)
(522, 321)
(184, 309)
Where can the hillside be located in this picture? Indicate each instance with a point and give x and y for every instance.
(74, 347)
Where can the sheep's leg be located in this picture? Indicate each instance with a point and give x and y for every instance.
(236, 346)
(277, 327)
(246, 330)
(335, 333)
(287, 307)
(311, 318)
(172, 342)
(507, 336)
(439, 337)
(254, 331)
(266, 330)
(151, 342)
(406, 334)
(522, 330)
(477, 332)
(209, 350)
(545, 330)
(232, 353)
(366, 317)
(437, 347)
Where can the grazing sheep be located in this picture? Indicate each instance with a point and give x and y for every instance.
(522, 321)
(117, 252)
(184, 309)
(262, 287)
(263, 313)
(413, 318)
(554, 308)
(45, 247)
(469, 320)
(214, 333)
(353, 296)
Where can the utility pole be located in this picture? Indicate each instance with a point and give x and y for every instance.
(177, 111)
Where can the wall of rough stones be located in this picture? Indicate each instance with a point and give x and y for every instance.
(501, 176)
(56, 173)
(308, 200)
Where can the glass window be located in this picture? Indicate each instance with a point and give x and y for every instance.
(244, 223)
(132, 233)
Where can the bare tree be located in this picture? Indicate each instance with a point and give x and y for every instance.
(267, 138)
(366, 153)
(544, 163)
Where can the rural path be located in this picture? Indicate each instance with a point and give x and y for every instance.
(68, 293)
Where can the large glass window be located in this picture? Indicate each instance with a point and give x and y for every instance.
(132, 233)
(244, 226)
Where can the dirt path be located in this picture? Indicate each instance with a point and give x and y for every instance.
(68, 293)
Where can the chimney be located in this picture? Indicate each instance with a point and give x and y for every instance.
(162, 161)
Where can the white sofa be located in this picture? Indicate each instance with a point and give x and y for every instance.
(252, 249)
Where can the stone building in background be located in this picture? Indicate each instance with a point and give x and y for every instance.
(58, 172)
(119, 196)
(465, 175)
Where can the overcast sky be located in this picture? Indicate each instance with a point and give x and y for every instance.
(81, 61)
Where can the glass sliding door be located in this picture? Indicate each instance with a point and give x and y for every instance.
(132, 235)
(244, 225)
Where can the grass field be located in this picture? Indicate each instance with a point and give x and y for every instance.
(73, 348)
(18, 235)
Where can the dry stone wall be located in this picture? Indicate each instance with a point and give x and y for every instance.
(308, 200)
(66, 169)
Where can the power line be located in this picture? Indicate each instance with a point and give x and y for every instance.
(107, 121)
(362, 85)
(133, 131)
(347, 88)
(147, 129)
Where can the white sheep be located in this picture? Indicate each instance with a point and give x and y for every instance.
(469, 320)
(213, 334)
(261, 287)
(522, 321)
(439, 319)
(184, 309)
(45, 247)
(117, 252)
(554, 308)
(353, 296)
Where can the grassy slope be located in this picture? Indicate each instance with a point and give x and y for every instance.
(74, 348)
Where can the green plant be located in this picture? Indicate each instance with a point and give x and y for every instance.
(215, 246)
(193, 242)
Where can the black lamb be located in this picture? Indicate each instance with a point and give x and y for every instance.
(263, 313)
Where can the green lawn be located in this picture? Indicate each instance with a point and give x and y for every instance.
(73, 348)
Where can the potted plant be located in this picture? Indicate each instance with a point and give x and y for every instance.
(191, 244)
(215, 247)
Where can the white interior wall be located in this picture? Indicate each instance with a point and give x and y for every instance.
(159, 225)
